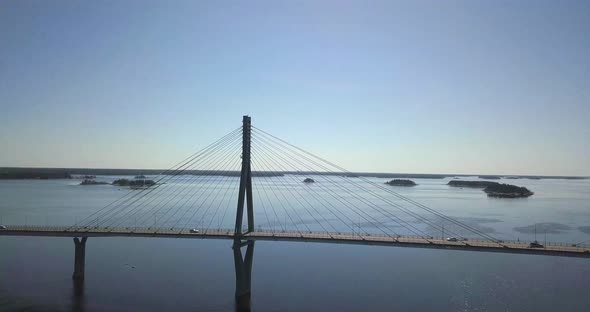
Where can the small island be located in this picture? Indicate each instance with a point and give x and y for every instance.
(93, 182)
(401, 182)
(495, 189)
(134, 183)
(309, 180)
(502, 190)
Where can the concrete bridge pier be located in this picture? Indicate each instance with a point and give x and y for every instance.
(79, 258)
(243, 268)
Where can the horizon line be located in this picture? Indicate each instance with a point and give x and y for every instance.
(311, 171)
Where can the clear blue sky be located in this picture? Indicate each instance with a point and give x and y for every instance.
(414, 86)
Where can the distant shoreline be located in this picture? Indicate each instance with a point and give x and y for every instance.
(67, 173)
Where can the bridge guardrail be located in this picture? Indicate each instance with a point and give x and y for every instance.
(339, 235)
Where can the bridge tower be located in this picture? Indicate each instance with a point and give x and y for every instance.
(243, 265)
(245, 192)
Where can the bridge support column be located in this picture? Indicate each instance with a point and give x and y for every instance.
(243, 267)
(245, 191)
(79, 258)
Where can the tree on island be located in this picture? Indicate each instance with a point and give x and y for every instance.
(507, 191)
(92, 182)
(401, 182)
(127, 182)
(495, 189)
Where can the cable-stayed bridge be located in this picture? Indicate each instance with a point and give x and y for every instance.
(284, 193)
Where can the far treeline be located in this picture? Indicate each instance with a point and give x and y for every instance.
(68, 173)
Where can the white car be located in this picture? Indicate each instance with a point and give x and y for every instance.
(452, 239)
(2, 227)
(194, 231)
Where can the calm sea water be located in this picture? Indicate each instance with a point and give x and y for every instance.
(124, 274)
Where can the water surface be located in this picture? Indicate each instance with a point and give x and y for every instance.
(125, 274)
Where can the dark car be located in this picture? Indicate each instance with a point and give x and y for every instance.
(535, 244)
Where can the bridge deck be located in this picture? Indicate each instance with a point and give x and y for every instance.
(343, 238)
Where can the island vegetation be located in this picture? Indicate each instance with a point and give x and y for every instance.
(127, 182)
(507, 191)
(92, 182)
(401, 182)
(34, 173)
(494, 189)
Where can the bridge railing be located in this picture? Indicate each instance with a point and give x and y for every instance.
(120, 229)
(465, 240)
(269, 233)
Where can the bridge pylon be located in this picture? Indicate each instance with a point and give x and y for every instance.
(245, 192)
(79, 258)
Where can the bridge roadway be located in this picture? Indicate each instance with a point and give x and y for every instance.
(554, 249)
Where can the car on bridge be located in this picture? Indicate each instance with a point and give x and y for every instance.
(2, 227)
(452, 239)
(195, 231)
(535, 244)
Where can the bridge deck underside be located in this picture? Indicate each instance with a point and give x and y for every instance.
(343, 238)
